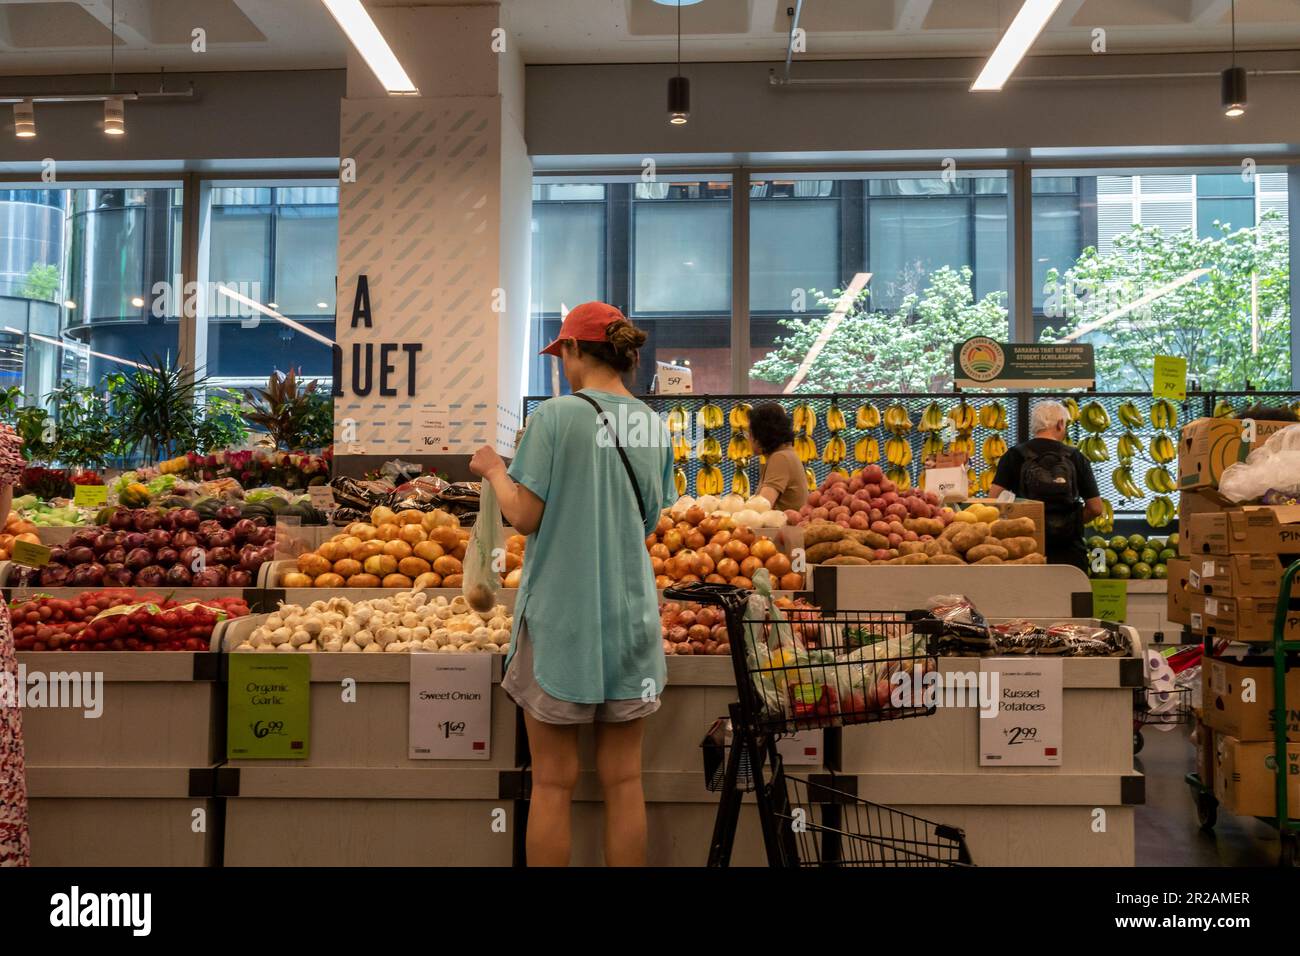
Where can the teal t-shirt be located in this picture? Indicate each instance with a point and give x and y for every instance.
(587, 590)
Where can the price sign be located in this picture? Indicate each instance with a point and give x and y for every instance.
(1170, 378)
(431, 434)
(30, 555)
(269, 706)
(89, 496)
(321, 497)
(1026, 729)
(1110, 599)
(672, 379)
(451, 707)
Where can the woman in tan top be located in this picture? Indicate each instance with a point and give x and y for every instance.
(782, 482)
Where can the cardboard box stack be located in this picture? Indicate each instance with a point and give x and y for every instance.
(1225, 585)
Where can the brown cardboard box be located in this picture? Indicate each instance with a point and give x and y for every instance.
(1178, 608)
(1223, 687)
(1207, 446)
(1195, 603)
(1198, 501)
(1020, 508)
(1238, 575)
(1245, 780)
(1247, 619)
(1252, 529)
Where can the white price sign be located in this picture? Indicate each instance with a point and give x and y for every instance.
(672, 379)
(321, 497)
(1026, 731)
(431, 433)
(950, 484)
(451, 706)
(801, 749)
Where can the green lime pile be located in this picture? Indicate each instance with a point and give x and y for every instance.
(1132, 557)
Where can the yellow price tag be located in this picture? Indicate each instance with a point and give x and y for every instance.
(1170, 378)
(1110, 599)
(90, 496)
(30, 555)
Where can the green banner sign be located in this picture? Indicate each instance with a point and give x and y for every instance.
(982, 362)
(1110, 599)
(269, 713)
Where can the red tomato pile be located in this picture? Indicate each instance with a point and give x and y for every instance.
(146, 623)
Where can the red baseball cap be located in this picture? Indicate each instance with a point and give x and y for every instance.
(585, 323)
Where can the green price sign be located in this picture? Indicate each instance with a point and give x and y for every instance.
(1110, 599)
(1170, 378)
(89, 496)
(269, 713)
(31, 555)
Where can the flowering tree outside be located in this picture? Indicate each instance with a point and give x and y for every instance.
(1210, 320)
(908, 350)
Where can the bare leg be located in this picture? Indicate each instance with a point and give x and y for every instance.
(618, 766)
(554, 750)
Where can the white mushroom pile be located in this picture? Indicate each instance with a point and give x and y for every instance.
(408, 621)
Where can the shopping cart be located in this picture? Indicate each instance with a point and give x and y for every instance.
(1165, 697)
(808, 669)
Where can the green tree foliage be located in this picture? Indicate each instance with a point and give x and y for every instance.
(43, 282)
(1207, 321)
(908, 350)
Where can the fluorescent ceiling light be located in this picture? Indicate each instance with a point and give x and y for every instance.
(372, 46)
(1015, 43)
(84, 350)
(832, 323)
(271, 313)
(1136, 304)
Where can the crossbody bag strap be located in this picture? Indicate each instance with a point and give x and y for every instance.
(618, 445)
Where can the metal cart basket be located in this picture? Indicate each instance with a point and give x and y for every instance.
(806, 669)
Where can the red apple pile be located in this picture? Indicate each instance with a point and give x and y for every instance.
(868, 501)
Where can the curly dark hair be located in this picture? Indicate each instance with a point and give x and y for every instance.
(1268, 413)
(771, 427)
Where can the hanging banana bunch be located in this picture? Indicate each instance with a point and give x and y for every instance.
(866, 451)
(994, 416)
(900, 477)
(710, 416)
(1129, 415)
(1128, 447)
(931, 445)
(677, 419)
(1159, 481)
(1122, 479)
(1164, 414)
(1224, 409)
(1160, 511)
(739, 416)
(739, 449)
(962, 416)
(811, 478)
(1094, 448)
(931, 418)
(708, 480)
(986, 481)
(897, 420)
(835, 419)
(868, 416)
(1094, 418)
(740, 479)
(805, 448)
(1104, 522)
(681, 448)
(1163, 450)
(710, 450)
(962, 444)
(805, 419)
(679, 481)
(835, 451)
(898, 452)
(995, 446)
(1072, 409)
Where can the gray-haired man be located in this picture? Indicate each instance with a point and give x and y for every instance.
(1047, 470)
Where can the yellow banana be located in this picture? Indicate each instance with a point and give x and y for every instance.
(868, 416)
(1162, 449)
(898, 452)
(677, 419)
(932, 445)
(1122, 479)
(740, 482)
(1224, 409)
(900, 477)
(804, 418)
(962, 416)
(805, 448)
(866, 451)
(1129, 415)
(897, 420)
(1164, 414)
(1160, 481)
(931, 418)
(710, 451)
(993, 416)
(711, 416)
(811, 478)
(962, 444)
(1128, 446)
(995, 446)
(708, 480)
(1094, 417)
(1104, 522)
(1072, 408)
(739, 416)
(679, 481)
(1160, 512)
(835, 419)
(681, 448)
(834, 452)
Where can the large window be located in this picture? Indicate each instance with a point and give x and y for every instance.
(1194, 263)
(935, 249)
(660, 251)
(277, 245)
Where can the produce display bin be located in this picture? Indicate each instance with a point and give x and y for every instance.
(357, 799)
(133, 786)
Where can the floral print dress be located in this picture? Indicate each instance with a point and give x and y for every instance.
(14, 847)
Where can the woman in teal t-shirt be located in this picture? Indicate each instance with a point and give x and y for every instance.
(586, 645)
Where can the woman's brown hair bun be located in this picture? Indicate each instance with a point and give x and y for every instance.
(621, 347)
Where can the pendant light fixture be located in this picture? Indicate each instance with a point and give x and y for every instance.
(1233, 79)
(679, 87)
(24, 120)
(114, 107)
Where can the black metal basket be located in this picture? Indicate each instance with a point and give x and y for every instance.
(1178, 711)
(716, 748)
(831, 827)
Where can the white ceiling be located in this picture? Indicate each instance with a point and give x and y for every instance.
(72, 36)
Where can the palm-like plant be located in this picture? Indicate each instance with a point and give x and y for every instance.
(156, 407)
(284, 408)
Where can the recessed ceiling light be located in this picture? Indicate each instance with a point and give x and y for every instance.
(137, 301)
(372, 46)
(1015, 43)
(24, 120)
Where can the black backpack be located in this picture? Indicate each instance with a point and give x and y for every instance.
(1050, 477)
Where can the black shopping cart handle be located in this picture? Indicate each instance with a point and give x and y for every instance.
(721, 595)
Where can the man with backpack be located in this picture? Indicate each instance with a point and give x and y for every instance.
(1046, 469)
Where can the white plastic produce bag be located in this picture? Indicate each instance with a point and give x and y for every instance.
(486, 542)
(1275, 466)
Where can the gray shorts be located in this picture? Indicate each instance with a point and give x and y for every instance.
(522, 687)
